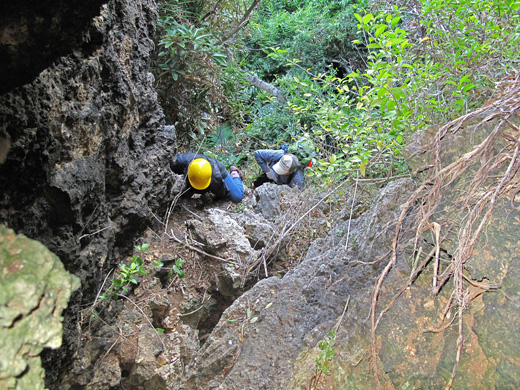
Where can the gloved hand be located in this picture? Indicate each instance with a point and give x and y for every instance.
(271, 175)
(285, 148)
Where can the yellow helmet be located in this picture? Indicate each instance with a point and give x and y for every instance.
(199, 173)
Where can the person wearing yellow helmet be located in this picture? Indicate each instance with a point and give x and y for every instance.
(199, 173)
(207, 175)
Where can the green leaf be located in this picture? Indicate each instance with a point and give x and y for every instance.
(382, 91)
(464, 78)
(367, 18)
(395, 20)
(380, 30)
(375, 102)
(362, 169)
(394, 41)
(467, 88)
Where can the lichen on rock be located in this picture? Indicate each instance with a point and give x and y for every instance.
(35, 288)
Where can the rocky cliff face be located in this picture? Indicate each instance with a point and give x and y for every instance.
(84, 169)
(36, 33)
(418, 307)
(84, 150)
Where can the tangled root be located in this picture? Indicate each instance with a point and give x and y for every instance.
(493, 166)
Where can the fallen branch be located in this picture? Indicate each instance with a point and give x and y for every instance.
(259, 83)
(200, 251)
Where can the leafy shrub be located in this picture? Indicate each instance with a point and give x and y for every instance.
(177, 270)
(187, 69)
(316, 32)
(416, 74)
(127, 273)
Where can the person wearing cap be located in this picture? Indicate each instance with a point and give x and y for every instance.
(279, 167)
(206, 175)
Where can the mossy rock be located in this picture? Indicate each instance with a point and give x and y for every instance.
(34, 290)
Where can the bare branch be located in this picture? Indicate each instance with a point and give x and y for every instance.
(242, 23)
(257, 82)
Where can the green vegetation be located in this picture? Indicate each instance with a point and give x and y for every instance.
(323, 361)
(357, 81)
(128, 273)
(326, 353)
(176, 269)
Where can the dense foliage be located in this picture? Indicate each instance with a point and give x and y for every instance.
(356, 80)
(190, 62)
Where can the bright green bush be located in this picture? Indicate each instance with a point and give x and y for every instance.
(419, 70)
(358, 82)
(317, 32)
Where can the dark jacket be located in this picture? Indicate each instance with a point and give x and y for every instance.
(219, 173)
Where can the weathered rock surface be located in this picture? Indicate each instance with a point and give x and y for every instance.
(36, 33)
(83, 169)
(416, 338)
(34, 291)
(87, 165)
(294, 312)
(221, 235)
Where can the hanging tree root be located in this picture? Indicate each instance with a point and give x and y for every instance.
(494, 165)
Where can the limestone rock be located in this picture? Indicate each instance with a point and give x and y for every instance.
(34, 290)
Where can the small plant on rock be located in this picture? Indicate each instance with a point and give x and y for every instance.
(176, 269)
(128, 272)
(324, 359)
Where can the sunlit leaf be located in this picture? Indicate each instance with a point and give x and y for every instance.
(362, 169)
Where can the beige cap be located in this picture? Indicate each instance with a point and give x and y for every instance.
(286, 165)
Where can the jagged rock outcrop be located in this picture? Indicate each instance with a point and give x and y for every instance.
(417, 339)
(84, 169)
(35, 289)
(36, 33)
(87, 165)
(295, 312)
